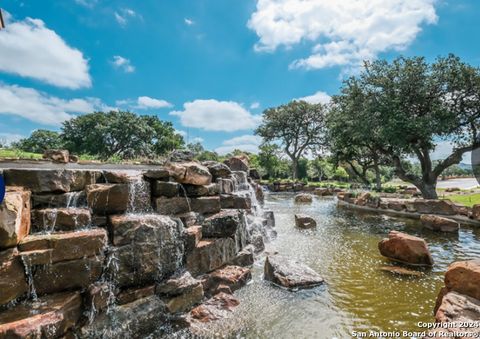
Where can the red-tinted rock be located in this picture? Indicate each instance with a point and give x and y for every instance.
(290, 273)
(108, 198)
(193, 235)
(130, 295)
(57, 155)
(464, 277)
(206, 205)
(180, 292)
(202, 190)
(431, 206)
(61, 219)
(190, 173)
(238, 163)
(210, 254)
(171, 206)
(440, 224)
(233, 277)
(218, 307)
(303, 197)
(14, 217)
(12, 276)
(168, 189)
(221, 225)
(457, 309)
(406, 248)
(98, 297)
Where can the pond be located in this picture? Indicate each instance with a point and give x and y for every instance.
(357, 295)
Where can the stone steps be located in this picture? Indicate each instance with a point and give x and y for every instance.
(60, 219)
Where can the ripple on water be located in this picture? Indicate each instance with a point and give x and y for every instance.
(357, 295)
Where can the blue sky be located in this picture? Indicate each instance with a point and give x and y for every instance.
(209, 66)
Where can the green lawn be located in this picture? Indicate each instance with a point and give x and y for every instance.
(9, 153)
(464, 199)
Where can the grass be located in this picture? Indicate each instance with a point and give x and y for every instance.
(11, 153)
(464, 199)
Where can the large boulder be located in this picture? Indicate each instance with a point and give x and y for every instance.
(304, 221)
(206, 205)
(167, 189)
(47, 180)
(171, 206)
(210, 254)
(406, 249)
(221, 225)
(238, 163)
(180, 292)
(464, 277)
(245, 257)
(432, 206)
(13, 280)
(49, 317)
(303, 197)
(190, 173)
(441, 224)
(458, 311)
(61, 219)
(228, 277)
(14, 217)
(150, 248)
(57, 155)
(108, 198)
(290, 273)
(218, 307)
(218, 170)
(202, 190)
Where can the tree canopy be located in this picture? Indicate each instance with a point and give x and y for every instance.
(39, 141)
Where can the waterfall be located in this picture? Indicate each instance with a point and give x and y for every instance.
(138, 194)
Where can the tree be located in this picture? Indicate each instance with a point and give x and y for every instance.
(403, 108)
(121, 134)
(39, 141)
(297, 126)
(321, 168)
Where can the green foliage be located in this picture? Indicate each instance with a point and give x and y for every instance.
(119, 135)
(341, 174)
(389, 189)
(39, 141)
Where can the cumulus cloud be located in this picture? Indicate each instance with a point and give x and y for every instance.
(39, 107)
(342, 32)
(248, 143)
(317, 98)
(255, 105)
(87, 3)
(29, 49)
(147, 102)
(122, 63)
(213, 115)
(124, 15)
(188, 21)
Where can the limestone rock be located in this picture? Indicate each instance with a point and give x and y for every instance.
(406, 249)
(190, 173)
(202, 190)
(456, 308)
(170, 206)
(13, 280)
(158, 173)
(70, 199)
(304, 221)
(221, 225)
(121, 176)
(180, 292)
(50, 317)
(476, 212)
(218, 170)
(441, 224)
(14, 217)
(167, 189)
(238, 163)
(431, 206)
(193, 235)
(245, 257)
(290, 273)
(270, 218)
(108, 198)
(190, 218)
(131, 294)
(225, 186)
(216, 308)
(233, 277)
(464, 277)
(210, 254)
(57, 155)
(303, 197)
(61, 219)
(206, 205)
(363, 198)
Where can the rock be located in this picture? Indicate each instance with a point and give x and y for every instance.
(70, 199)
(225, 186)
(210, 254)
(158, 173)
(475, 212)
(258, 242)
(221, 225)
(170, 206)
(181, 155)
(193, 235)
(13, 280)
(121, 176)
(441, 224)
(47, 180)
(452, 189)
(270, 218)
(245, 257)
(50, 317)
(290, 273)
(138, 319)
(14, 217)
(322, 192)
(233, 277)
(181, 292)
(130, 295)
(190, 218)
(303, 197)
(98, 297)
(464, 277)
(108, 198)
(218, 307)
(57, 155)
(259, 195)
(457, 309)
(406, 249)
(304, 221)
(430, 206)
(61, 219)
(240, 180)
(190, 173)
(165, 189)
(396, 204)
(218, 170)
(73, 158)
(238, 163)
(67, 275)
(151, 248)
(67, 246)
(206, 205)
(253, 173)
(202, 190)
(397, 270)
(363, 198)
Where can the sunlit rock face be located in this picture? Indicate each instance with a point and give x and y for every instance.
(406, 249)
(125, 253)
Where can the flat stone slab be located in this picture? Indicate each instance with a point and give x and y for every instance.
(439, 224)
(61, 219)
(290, 273)
(402, 271)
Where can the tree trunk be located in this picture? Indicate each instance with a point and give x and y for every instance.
(294, 168)
(378, 178)
(429, 190)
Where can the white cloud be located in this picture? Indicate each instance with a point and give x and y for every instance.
(248, 143)
(197, 139)
(182, 133)
(147, 102)
(39, 107)
(188, 21)
(123, 15)
(213, 115)
(8, 138)
(344, 32)
(123, 64)
(29, 49)
(87, 3)
(317, 98)
(255, 105)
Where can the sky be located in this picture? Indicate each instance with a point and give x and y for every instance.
(209, 66)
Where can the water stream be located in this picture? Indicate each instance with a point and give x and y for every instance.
(357, 296)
